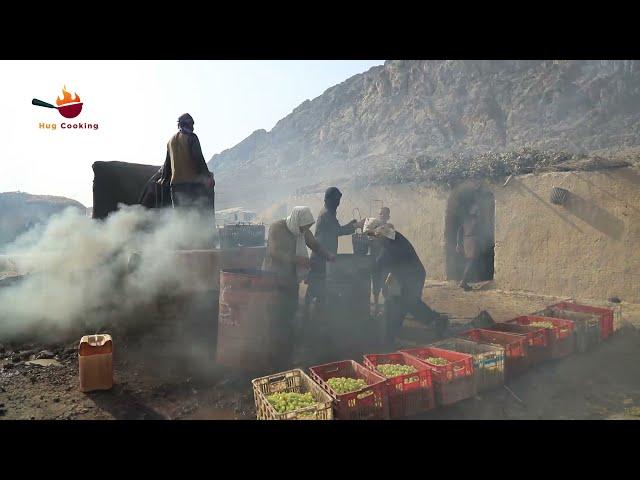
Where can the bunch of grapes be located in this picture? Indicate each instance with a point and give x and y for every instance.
(394, 369)
(541, 324)
(437, 361)
(345, 385)
(288, 402)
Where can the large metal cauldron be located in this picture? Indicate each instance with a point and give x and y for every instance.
(253, 321)
(347, 311)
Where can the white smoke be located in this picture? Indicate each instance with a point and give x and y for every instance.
(75, 268)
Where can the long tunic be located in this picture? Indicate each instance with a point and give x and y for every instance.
(328, 229)
(281, 251)
(469, 237)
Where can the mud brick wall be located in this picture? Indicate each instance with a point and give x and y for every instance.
(588, 247)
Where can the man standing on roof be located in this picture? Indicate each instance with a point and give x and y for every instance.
(185, 169)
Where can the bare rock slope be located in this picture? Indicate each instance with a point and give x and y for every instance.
(394, 113)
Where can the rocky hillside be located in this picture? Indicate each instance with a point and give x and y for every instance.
(20, 211)
(406, 109)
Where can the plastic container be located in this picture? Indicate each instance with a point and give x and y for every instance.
(408, 394)
(539, 345)
(292, 381)
(452, 382)
(488, 361)
(605, 314)
(369, 403)
(95, 360)
(515, 348)
(560, 337)
(587, 328)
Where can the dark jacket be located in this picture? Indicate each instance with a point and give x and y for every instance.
(400, 259)
(328, 229)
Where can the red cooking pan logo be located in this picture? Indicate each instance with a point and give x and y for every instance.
(68, 106)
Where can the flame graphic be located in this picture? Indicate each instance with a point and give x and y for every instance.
(67, 97)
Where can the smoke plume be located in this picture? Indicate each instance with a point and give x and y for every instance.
(75, 270)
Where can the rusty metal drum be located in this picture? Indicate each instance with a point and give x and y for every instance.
(254, 320)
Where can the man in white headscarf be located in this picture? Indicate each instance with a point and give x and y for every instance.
(405, 281)
(287, 257)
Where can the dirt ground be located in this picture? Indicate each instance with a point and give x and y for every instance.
(151, 384)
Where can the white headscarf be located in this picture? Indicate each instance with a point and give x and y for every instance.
(375, 226)
(300, 217)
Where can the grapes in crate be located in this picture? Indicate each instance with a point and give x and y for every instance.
(437, 361)
(288, 402)
(393, 369)
(541, 324)
(346, 385)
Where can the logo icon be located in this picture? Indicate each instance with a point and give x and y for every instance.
(68, 106)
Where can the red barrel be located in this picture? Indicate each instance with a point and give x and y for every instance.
(254, 320)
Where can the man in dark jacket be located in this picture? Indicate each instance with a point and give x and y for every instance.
(185, 169)
(328, 229)
(405, 281)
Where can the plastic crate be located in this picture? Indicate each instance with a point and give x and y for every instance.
(242, 235)
(452, 382)
(539, 345)
(292, 381)
(408, 394)
(369, 403)
(488, 361)
(560, 337)
(587, 330)
(606, 315)
(515, 348)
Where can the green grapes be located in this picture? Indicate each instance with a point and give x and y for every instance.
(345, 385)
(288, 402)
(437, 361)
(541, 324)
(393, 369)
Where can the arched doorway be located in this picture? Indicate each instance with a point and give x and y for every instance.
(459, 201)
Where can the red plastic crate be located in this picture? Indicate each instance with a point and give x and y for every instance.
(539, 345)
(461, 364)
(587, 326)
(560, 337)
(369, 403)
(408, 394)
(515, 348)
(452, 382)
(606, 315)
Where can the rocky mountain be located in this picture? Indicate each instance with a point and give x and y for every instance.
(20, 211)
(406, 109)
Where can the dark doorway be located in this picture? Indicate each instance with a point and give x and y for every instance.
(457, 207)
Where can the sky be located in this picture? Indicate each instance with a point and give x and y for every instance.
(135, 105)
